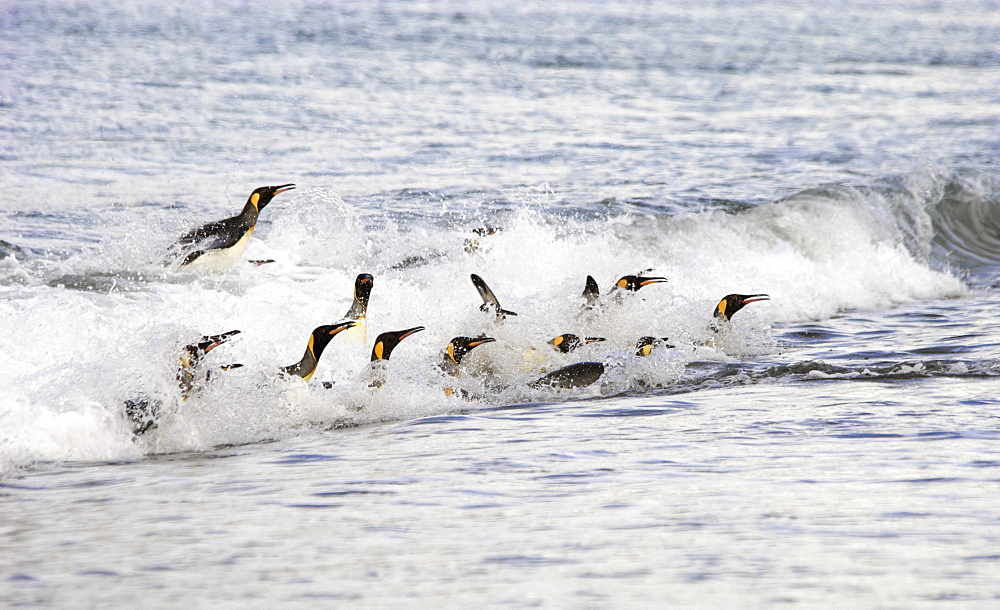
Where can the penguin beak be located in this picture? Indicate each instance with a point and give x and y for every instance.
(411, 331)
(753, 298)
(593, 339)
(645, 281)
(217, 340)
(343, 326)
(479, 342)
(283, 188)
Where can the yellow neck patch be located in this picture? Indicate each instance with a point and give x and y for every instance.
(254, 199)
(622, 283)
(379, 348)
(558, 341)
(722, 308)
(646, 349)
(451, 352)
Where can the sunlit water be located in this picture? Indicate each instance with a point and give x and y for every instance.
(835, 444)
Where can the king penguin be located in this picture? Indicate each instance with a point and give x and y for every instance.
(384, 344)
(358, 311)
(451, 359)
(457, 348)
(632, 283)
(731, 303)
(645, 345)
(318, 341)
(578, 375)
(628, 283)
(143, 412)
(568, 342)
(218, 244)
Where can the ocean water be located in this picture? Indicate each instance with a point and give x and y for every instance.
(836, 444)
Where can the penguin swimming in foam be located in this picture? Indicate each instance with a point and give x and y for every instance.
(533, 359)
(633, 283)
(490, 300)
(218, 244)
(451, 358)
(382, 349)
(730, 304)
(458, 348)
(627, 283)
(645, 345)
(143, 412)
(318, 340)
(578, 375)
(569, 342)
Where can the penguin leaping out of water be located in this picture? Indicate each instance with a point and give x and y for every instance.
(384, 344)
(143, 412)
(318, 341)
(218, 244)
(490, 300)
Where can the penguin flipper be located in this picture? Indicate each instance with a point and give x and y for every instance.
(577, 375)
(489, 299)
(591, 291)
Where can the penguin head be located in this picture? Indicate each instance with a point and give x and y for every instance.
(363, 289)
(194, 352)
(633, 283)
(322, 335)
(460, 346)
(262, 196)
(731, 303)
(568, 342)
(645, 345)
(386, 342)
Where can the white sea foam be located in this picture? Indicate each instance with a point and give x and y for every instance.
(815, 254)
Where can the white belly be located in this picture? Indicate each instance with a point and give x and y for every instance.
(356, 336)
(219, 259)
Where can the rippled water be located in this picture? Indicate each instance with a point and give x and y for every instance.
(833, 445)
